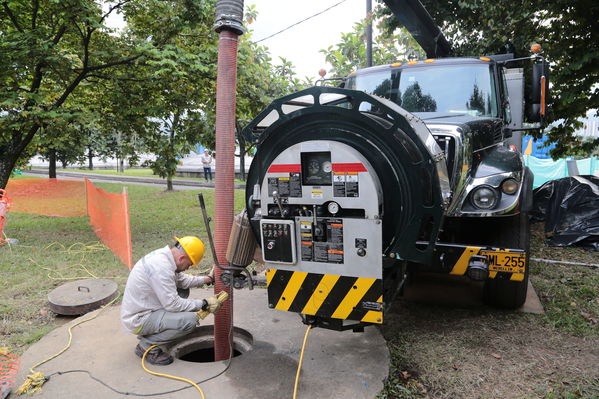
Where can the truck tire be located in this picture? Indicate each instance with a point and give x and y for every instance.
(500, 291)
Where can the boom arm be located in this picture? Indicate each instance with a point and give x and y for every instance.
(414, 17)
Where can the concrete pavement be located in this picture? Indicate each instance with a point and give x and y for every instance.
(336, 364)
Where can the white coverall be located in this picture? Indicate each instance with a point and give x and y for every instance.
(151, 306)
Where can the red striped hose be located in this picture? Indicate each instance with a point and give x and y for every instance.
(225, 158)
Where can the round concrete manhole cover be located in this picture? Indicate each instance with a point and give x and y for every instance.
(81, 296)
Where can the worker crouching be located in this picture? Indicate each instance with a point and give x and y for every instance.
(155, 305)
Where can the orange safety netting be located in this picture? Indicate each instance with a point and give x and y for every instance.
(108, 213)
(5, 204)
(49, 197)
(109, 216)
(9, 366)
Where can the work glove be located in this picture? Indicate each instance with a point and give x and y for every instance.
(212, 304)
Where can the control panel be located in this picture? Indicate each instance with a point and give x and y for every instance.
(320, 211)
(278, 240)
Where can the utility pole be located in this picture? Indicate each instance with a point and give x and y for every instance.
(369, 33)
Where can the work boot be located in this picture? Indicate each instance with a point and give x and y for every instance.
(156, 356)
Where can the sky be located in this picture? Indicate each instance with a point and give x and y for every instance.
(302, 43)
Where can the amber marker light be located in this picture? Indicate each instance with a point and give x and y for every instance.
(412, 62)
(484, 59)
(543, 94)
(429, 61)
(396, 64)
(535, 48)
(509, 186)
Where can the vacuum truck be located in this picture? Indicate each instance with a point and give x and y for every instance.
(401, 169)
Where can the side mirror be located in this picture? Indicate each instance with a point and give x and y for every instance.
(540, 91)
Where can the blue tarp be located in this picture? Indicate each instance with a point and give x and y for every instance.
(538, 147)
(548, 169)
(588, 166)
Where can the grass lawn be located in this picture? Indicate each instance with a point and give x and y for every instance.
(436, 351)
(51, 247)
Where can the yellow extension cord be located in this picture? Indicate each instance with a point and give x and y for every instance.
(172, 377)
(221, 296)
(35, 380)
(76, 248)
(196, 386)
(299, 365)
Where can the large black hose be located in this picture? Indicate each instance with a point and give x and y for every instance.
(229, 15)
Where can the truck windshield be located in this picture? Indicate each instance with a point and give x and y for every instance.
(466, 89)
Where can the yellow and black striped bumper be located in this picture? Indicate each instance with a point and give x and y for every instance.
(326, 295)
(503, 263)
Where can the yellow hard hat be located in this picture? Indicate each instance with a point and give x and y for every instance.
(193, 247)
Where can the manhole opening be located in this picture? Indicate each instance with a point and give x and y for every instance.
(204, 355)
(198, 347)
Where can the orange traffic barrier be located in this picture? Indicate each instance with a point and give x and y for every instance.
(109, 216)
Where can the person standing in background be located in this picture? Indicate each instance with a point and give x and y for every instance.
(206, 159)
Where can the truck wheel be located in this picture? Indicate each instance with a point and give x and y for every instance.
(500, 292)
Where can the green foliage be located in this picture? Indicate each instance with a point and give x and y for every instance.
(59, 56)
(388, 47)
(147, 87)
(565, 29)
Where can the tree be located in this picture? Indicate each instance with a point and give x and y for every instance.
(388, 47)
(414, 101)
(567, 31)
(50, 48)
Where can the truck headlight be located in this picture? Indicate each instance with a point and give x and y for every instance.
(484, 197)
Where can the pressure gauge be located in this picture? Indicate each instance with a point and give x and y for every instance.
(333, 207)
(327, 166)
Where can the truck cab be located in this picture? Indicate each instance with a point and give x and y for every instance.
(468, 106)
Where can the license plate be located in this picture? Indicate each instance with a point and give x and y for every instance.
(511, 262)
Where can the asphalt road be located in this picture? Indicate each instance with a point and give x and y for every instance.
(178, 184)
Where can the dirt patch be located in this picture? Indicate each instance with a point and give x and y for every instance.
(466, 353)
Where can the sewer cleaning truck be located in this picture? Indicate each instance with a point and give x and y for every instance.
(402, 169)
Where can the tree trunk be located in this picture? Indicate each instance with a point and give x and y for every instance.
(171, 144)
(7, 163)
(90, 157)
(242, 151)
(10, 151)
(122, 164)
(52, 167)
(242, 162)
